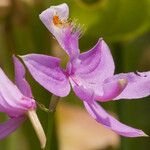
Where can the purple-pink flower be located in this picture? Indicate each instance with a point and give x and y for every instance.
(18, 103)
(91, 74)
(15, 101)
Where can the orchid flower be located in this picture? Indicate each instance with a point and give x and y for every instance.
(18, 103)
(91, 74)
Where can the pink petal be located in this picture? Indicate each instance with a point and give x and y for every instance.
(21, 82)
(138, 85)
(12, 101)
(101, 116)
(96, 64)
(83, 93)
(46, 71)
(62, 11)
(10, 126)
(92, 68)
(66, 33)
(10, 108)
(112, 90)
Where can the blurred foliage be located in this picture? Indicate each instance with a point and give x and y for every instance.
(115, 20)
(124, 24)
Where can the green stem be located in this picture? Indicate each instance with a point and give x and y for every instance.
(53, 103)
(51, 130)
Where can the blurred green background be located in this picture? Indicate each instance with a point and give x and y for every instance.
(124, 25)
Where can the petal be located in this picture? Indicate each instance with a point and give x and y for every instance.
(47, 72)
(12, 101)
(47, 16)
(112, 90)
(101, 116)
(10, 108)
(21, 82)
(92, 68)
(55, 19)
(10, 126)
(69, 42)
(138, 85)
(83, 93)
(96, 64)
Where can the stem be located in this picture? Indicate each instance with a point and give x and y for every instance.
(51, 130)
(53, 103)
(37, 127)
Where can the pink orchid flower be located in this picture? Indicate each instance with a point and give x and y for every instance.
(91, 74)
(18, 103)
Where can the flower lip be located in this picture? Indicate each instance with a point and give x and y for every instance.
(55, 15)
(66, 31)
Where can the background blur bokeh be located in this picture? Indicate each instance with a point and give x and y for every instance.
(124, 25)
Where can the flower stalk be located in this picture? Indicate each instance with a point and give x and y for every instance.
(53, 103)
(51, 129)
(37, 127)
